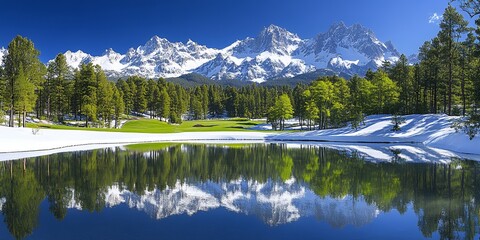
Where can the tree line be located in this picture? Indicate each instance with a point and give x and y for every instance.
(445, 80)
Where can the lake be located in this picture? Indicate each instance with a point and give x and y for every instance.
(253, 191)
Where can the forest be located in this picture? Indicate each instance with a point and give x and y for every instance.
(445, 80)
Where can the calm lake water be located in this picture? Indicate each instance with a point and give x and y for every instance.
(259, 191)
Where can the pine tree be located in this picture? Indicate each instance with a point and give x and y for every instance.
(360, 99)
(56, 88)
(25, 96)
(299, 105)
(2, 95)
(401, 74)
(22, 56)
(467, 68)
(127, 95)
(472, 7)
(138, 87)
(104, 105)
(341, 102)
(118, 104)
(163, 107)
(452, 27)
(86, 91)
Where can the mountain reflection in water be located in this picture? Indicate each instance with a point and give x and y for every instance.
(277, 184)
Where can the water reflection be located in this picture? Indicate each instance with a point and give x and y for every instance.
(273, 182)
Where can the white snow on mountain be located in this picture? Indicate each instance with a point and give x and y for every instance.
(157, 58)
(74, 59)
(3, 52)
(351, 50)
(273, 53)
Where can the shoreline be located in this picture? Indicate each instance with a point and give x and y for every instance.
(425, 131)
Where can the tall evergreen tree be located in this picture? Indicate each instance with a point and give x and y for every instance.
(401, 73)
(86, 92)
(118, 104)
(56, 88)
(22, 58)
(105, 105)
(452, 27)
(163, 107)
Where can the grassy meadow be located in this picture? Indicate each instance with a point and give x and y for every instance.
(156, 126)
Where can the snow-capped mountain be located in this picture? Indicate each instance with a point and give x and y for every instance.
(273, 53)
(3, 52)
(351, 50)
(157, 58)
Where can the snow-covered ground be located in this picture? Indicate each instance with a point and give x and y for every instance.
(422, 137)
(431, 130)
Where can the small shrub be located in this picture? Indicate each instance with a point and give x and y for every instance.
(470, 125)
(35, 130)
(397, 120)
(357, 121)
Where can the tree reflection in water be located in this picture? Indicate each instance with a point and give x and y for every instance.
(276, 183)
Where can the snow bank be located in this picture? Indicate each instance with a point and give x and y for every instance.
(431, 130)
(23, 139)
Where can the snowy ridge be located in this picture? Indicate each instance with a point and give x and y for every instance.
(273, 53)
(3, 52)
(157, 58)
(273, 202)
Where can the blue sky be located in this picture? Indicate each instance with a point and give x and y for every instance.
(93, 26)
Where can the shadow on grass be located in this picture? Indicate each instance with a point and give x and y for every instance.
(205, 125)
(247, 123)
(238, 119)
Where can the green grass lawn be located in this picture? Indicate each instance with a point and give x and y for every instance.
(155, 126)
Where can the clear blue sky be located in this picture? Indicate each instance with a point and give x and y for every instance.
(94, 25)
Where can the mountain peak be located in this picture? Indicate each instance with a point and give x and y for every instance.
(110, 51)
(272, 28)
(277, 40)
(337, 26)
(191, 42)
(273, 53)
(78, 52)
(276, 31)
(156, 40)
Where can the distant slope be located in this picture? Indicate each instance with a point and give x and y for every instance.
(194, 79)
(305, 78)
